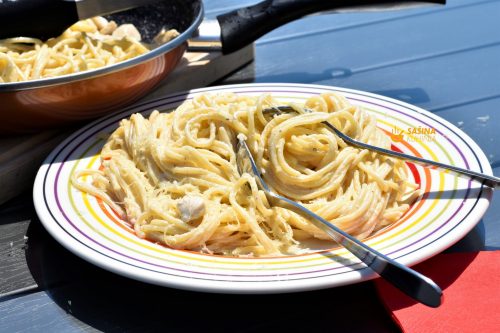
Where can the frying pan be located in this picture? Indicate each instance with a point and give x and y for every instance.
(31, 106)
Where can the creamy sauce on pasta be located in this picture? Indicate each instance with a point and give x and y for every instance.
(173, 176)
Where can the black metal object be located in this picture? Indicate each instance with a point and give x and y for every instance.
(24, 18)
(168, 14)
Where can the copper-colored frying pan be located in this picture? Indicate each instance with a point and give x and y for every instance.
(46, 103)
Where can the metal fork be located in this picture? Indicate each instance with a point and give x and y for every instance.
(487, 180)
(412, 283)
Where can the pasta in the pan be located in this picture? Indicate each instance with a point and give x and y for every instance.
(86, 45)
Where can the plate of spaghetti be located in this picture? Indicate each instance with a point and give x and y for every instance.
(153, 192)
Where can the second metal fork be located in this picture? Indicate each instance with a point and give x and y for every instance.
(487, 180)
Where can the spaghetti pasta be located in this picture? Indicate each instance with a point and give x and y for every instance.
(86, 45)
(174, 177)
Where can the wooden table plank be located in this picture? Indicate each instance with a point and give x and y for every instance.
(327, 24)
(37, 312)
(15, 275)
(437, 83)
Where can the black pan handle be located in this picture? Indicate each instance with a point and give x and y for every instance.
(243, 26)
(21, 17)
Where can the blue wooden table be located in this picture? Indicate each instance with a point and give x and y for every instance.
(443, 59)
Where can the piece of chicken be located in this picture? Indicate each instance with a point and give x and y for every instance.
(191, 207)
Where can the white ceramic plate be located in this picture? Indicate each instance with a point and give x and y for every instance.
(448, 210)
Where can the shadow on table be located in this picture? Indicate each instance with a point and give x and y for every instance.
(113, 303)
(475, 239)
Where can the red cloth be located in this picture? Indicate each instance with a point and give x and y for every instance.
(471, 288)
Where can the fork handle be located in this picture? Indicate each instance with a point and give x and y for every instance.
(409, 281)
